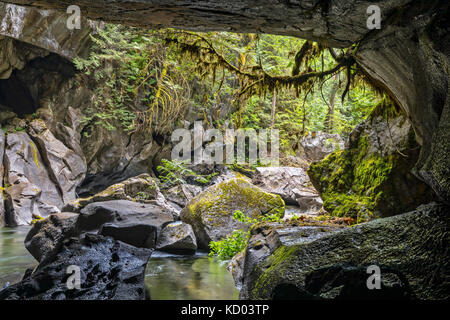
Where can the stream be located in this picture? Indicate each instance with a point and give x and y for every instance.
(168, 277)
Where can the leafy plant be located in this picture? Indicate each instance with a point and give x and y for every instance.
(238, 240)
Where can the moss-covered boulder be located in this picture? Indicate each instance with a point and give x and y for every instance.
(411, 251)
(211, 213)
(372, 177)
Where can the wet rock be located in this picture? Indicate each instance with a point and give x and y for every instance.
(46, 236)
(317, 145)
(65, 167)
(110, 270)
(408, 245)
(178, 238)
(291, 183)
(211, 213)
(31, 190)
(122, 213)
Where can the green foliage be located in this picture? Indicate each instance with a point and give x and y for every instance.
(227, 248)
(175, 172)
(238, 240)
(132, 76)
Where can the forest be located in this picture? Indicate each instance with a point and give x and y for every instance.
(222, 151)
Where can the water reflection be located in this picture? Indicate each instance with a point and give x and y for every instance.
(168, 277)
(14, 258)
(199, 278)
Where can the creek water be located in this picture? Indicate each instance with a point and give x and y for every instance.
(168, 277)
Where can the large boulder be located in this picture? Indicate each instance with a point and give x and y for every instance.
(135, 234)
(317, 145)
(110, 270)
(123, 213)
(292, 184)
(178, 238)
(142, 188)
(411, 247)
(47, 235)
(265, 238)
(211, 213)
(30, 188)
(372, 177)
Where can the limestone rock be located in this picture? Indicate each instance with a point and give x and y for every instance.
(30, 190)
(110, 270)
(66, 167)
(291, 183)
(409, 246)
(177, 238)
(317, 145)
(211, 213)
(46, 236)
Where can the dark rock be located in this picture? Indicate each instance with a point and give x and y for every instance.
(411, 248)
(178, 238)
(110, 270)
(122, 212)
(47, 235)
(138, 235)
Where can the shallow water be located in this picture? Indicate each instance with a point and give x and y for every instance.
(168, 277)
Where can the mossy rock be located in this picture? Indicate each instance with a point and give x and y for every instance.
(372, 178)
(211, 212)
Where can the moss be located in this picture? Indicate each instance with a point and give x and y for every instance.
(226, 197)
(35, 155)
(272, 269)
(352, 182)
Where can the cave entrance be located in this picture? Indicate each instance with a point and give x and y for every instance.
(22, 92)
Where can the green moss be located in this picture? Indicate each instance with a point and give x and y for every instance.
(226, 197)
(352, 181)
(272, 269)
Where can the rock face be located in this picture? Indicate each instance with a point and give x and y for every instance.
(292, 184)
(31, 190)
(66, 168)
(372, 177)
(211, 213)
(406, 248)
(177, 238)
(317, 145)
(110, 270)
